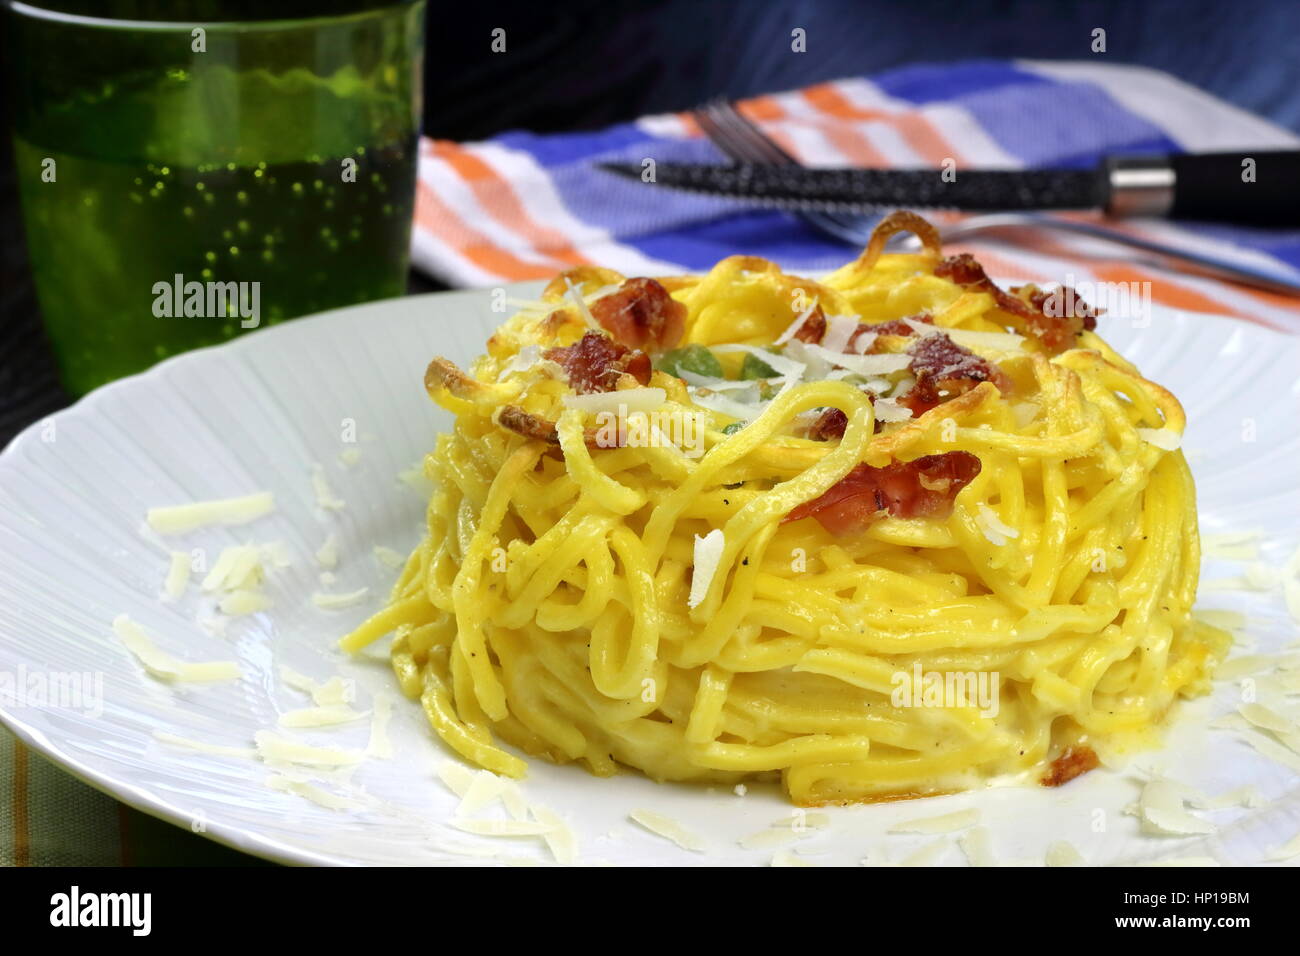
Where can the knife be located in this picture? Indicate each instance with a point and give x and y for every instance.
(1249, 188)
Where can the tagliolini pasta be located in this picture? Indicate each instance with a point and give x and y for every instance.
(892, 533)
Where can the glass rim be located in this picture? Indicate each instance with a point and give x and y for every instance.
(35, 12)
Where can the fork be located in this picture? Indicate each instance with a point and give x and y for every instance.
(742, 141)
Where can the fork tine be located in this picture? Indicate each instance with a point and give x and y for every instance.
(715, 134)
(724, 137)
(759, 146)
(741, 140)
(847, 226)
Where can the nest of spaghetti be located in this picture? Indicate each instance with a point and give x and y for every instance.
(892, 533)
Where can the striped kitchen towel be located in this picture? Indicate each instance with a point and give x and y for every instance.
(524, 206)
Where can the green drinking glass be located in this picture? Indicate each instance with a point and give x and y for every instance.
(185, 179)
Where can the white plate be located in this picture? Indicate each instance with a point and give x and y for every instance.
(255, 414)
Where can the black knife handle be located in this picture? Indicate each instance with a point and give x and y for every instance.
(1260, 188)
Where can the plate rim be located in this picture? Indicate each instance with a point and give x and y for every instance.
(233, 835)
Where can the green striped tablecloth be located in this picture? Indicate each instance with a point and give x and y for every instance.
(49, 818)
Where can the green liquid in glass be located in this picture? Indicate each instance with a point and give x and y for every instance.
(299, 182)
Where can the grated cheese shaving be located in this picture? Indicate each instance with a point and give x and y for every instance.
(888, 410)
(484, 788)
(1274, 751)
(1237, 667)
(708, 552)
(242, 602)
(1232, 545)
(178, 519)
(521, 361)
(456, 776)
(560, 838)
(668, 828)
(1243, 796)
(273, 747)
(1161, 811)
(1267, 719)
(628, 399)
(239, 566)
(327, 555)
(948, 823)
(321, 716)
(389, 557)
(317, 795)
(326, 499)
(839, 329)
(1063, 853)
(178, 576)
(1165, 438)
(581, 303)
(1228, 620)
(715, 384)
(339, 602)
(199, 746)
(973, 339)
(994, 528)
(796, 325)
(162, 665)
(783, 365)
(333, 693)
(977, 847)
(926, 855)
(513, 799)
(741, 411)
(350, 456)
(868, 365)
(277, 552)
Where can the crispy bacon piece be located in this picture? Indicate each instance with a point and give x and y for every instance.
(829, 424)
(535, 427)
(1061, 302)
(892, 327)
(527, 424)
(964, 270)
(1073, 762)
(595, 363)
(445, 374)
(1056, 332)
(897, 326)
(813, 327)
(921, 488)
(642, 314)
(944, 370)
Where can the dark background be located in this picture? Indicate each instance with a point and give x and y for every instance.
(584, 63)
